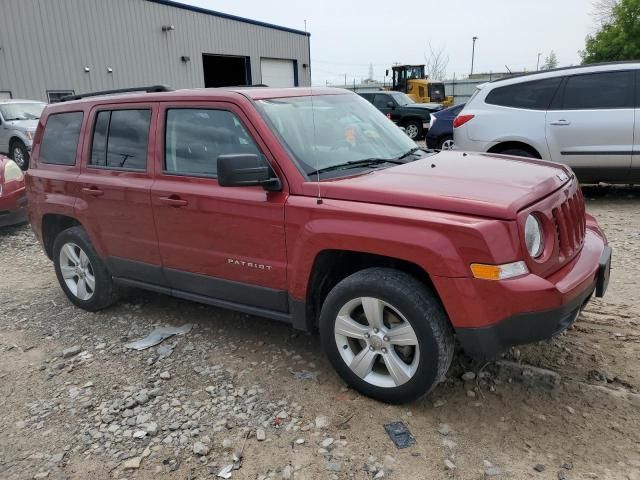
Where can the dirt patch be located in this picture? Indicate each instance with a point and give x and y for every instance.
(185, 415)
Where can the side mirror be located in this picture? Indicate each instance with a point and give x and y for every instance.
(391, 105)
(246, 170)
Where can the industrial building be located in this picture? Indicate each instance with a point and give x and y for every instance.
(49, 49)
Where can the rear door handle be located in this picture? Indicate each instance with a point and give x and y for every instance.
(93, 191)
(560, 123)
(174, 201)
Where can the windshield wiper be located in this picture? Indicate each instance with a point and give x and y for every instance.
(364, 163)
(410, 152)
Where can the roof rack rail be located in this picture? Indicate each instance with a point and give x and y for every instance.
(151, 89)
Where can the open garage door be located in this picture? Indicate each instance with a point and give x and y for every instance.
(277, 72)
(225, 70)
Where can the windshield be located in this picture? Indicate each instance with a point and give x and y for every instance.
(402, 98)
(21, 111)
(348, 129)
(414, 73)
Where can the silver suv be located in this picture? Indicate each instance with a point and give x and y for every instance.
(586, 117)
(18, 122)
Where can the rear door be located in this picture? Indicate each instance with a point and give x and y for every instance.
(115, 182)
(590, 126)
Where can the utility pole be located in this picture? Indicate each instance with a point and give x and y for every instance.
(538, 65)
(345, 80)
(473, 54)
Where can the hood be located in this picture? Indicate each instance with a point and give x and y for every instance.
(23, 125)
(429, 107)
(486, 185)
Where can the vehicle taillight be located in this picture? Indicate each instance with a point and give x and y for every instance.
(461, 120)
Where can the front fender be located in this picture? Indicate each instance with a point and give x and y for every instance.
(442, 244)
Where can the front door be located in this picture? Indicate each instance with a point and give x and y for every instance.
(222, 243)
(590, 127)
(115, 183)
(387, 105)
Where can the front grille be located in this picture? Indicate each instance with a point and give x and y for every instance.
(569, 219)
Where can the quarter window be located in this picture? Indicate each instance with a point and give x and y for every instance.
(120, 139)
(599, 91)
(195, 138)
(535, 95)
(60, 139)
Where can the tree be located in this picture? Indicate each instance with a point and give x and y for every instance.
(436, 63)
(603, 11)
(550, 61)
(619, 38)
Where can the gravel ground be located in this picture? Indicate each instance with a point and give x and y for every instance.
(76, 404)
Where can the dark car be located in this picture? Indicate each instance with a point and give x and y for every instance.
(403, 111)
(440, 134)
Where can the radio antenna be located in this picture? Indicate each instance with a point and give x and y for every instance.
(313, 117)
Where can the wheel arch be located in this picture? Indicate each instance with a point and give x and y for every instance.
(515, 144)
(332, 266)
(52, 225)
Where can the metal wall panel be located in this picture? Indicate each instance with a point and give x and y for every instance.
(46, 45)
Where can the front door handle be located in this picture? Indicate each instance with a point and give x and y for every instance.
(174, 201)
(560, 123)
(93, 191)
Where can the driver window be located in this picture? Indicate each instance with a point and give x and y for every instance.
(195, 138)
(380, 101)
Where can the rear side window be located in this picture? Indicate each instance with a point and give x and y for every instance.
(195, 138)
(535, 95)
(599, 91)
(120, 139)
(60, 139)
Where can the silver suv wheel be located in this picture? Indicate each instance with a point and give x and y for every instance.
(77, 271)
(18, 157)
(377, 342)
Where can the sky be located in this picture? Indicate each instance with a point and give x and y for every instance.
(348, 36)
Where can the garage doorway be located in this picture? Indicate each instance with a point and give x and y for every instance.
(225, 70)
(277, 72)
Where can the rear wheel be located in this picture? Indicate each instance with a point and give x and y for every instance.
(413, 129)
(19, 154)
(446, 143)
(81, 273)
(386, 335)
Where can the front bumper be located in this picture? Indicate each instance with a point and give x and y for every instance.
(489, 317)
(13, 208)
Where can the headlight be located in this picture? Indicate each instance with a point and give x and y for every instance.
(12, 172)
(533, 237)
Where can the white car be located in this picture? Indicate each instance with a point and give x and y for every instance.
(585, 117)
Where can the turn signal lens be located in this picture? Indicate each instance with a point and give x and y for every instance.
(461, 120)
(499, 272)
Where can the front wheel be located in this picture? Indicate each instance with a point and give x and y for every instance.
(413, 130)
(83, 276)
(18, 153)
(386, 334)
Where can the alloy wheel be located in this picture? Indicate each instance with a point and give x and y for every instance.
(18, 157)
(447, 144)
(77, 271)
(412, 131)
(377, 342)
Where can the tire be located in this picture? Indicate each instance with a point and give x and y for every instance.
(445, 143)
(406, 299)
(101, 292)
(19, 154)
(413, 129)
(517, 152)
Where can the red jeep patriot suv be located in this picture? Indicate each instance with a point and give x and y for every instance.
(311, 207)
